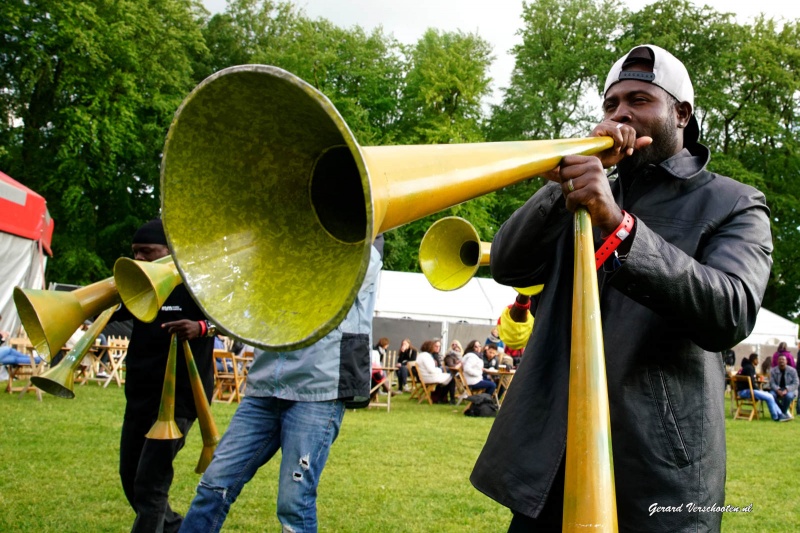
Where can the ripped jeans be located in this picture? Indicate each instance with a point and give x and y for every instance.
(304, 431)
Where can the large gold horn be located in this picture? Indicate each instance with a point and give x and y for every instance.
(301, 196)
(589, 496)
(208, 428)
(59, 380)
(145, 286)
(451, 252)
(51, 317)
(165, 427)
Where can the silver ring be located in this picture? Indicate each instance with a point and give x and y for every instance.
(570, 186)
(619, 125)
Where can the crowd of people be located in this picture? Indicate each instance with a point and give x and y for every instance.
(478, 362)
(778, 376)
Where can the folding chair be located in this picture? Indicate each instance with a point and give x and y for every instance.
(746, 408)
(413, 381)
(466, 391)
(374, 395)
(226, 378)
(425, 388)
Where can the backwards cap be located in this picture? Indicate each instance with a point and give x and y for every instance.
(668, 73)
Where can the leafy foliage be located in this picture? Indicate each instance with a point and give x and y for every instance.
(89, 88)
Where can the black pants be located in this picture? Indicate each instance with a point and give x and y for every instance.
(402, 376)
(552, 515)
(145, 468)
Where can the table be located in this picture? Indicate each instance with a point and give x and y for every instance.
(502, 377)
(112, 368)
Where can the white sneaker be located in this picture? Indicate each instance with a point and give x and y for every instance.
(101, 375)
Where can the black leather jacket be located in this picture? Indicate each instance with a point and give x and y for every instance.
(691, 287)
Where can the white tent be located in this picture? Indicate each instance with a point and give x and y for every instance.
(409, 295)
(772, 329)
(25, 233)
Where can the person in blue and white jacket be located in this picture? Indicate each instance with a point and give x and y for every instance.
(295, 402)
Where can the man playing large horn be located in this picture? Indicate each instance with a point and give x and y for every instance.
(685, 283)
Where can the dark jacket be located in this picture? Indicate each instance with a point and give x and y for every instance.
(146, 361)
(747, 370)
(690, 288)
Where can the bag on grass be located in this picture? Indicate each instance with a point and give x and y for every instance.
(481, 405)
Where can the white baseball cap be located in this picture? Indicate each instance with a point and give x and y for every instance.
(668, 73)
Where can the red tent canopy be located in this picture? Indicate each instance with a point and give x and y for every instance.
(24, 213)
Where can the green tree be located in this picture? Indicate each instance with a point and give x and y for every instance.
(747, 96)
(447, 78)
(88, 91)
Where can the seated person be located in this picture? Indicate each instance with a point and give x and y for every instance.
(378, 376)
(430, 372)
(494, 338)
(453, 358)
(782, 351)
(504, 360)
(10, 356)
(783, 384)
(407, 353)
(749, 369)
(490, 360)
(472, 366)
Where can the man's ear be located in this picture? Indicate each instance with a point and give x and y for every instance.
(683, 112)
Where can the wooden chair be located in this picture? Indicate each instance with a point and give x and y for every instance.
(413, 381)
(24, 372)
(746, 408)
(389, 364)
(242, 363)
(463, 390)
(466, 390)
(425, 389)
(226, 377)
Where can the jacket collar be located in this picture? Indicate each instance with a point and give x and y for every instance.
(688, 162)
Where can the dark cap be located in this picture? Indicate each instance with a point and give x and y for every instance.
(151, 232)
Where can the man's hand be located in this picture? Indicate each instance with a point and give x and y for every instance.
(584, 183)
(625, 141)
(186, 330)
(583, 178)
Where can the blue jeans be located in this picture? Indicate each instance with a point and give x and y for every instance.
(304, 431)
(10, 356)
(486, 384)
(765, 397)
(785, 402)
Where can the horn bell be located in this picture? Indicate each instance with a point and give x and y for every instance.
(51, 317)
(144, 286)
(60, 379)
(451, 252)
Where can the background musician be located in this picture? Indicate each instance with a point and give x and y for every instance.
(145, 465)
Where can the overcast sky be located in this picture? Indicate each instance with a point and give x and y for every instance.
(497, 21)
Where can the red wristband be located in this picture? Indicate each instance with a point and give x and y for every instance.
(614, 240)
(203, 327)
(520, 306)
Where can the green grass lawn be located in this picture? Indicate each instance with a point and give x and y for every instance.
(404, 471)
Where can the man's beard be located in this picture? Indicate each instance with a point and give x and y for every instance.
(662, 148)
